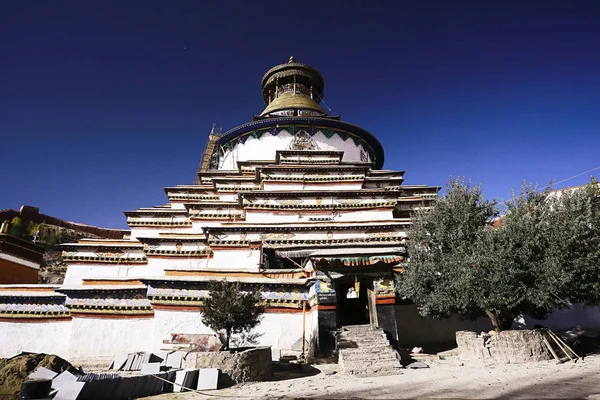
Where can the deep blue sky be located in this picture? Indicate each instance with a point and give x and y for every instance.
(103, 103)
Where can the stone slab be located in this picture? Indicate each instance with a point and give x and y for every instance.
(62, 379)
(119, 362)
(129, 362)
(208, 379)
(143, 386)
(179, 380)
(174, 359)
(42, 373)
(168, 387)
(70, 391)
(150, 368)
(275, 354)
(159, 356)
(191, 380)
(124, 388)
(99, 389)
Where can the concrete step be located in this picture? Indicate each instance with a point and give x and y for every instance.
(391, 356)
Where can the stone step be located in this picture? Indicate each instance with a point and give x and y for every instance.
(359, 359)
(369, 337)
(367, 346)
(355, 356)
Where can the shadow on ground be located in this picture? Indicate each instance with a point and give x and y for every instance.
(283, 372)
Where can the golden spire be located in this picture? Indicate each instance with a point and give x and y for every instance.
(291, 59)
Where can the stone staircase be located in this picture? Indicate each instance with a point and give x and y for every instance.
(365, 350)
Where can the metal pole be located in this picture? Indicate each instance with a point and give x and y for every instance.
(303, 326)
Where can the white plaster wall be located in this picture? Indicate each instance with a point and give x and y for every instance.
(156, 266)
(265, 148)
(271, 186)
(237, 259)
(92, 337)
(35, 337)
(255, 216)
(280, 330)
(76, 272)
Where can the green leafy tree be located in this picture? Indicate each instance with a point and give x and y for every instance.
(229, 310)
(545, 254)
(17, 227)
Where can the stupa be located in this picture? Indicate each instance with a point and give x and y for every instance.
(295, 202)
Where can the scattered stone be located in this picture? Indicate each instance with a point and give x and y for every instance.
(417, 365)
(417, 350)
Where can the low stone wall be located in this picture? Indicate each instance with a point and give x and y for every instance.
(242, 366)
(503, 347)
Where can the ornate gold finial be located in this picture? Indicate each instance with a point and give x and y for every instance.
(291, 59)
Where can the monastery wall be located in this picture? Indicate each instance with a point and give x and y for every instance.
(157, 266)
(92, 337)
(236, 259)
(50, 337)
(76, 272)
(333, 187)
(262, 216)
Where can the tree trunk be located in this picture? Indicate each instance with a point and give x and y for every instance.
(494, 320)
(227, 337)
(500, 321)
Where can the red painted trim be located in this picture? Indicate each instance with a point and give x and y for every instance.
(325, 307)
(110, 316)
(36, 320)
(282, 310)
(385, 301)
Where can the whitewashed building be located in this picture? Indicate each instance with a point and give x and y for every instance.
(294, 201)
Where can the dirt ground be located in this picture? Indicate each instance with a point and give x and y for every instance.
(450, 378)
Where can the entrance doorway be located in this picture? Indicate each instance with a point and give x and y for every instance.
(352, 306)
